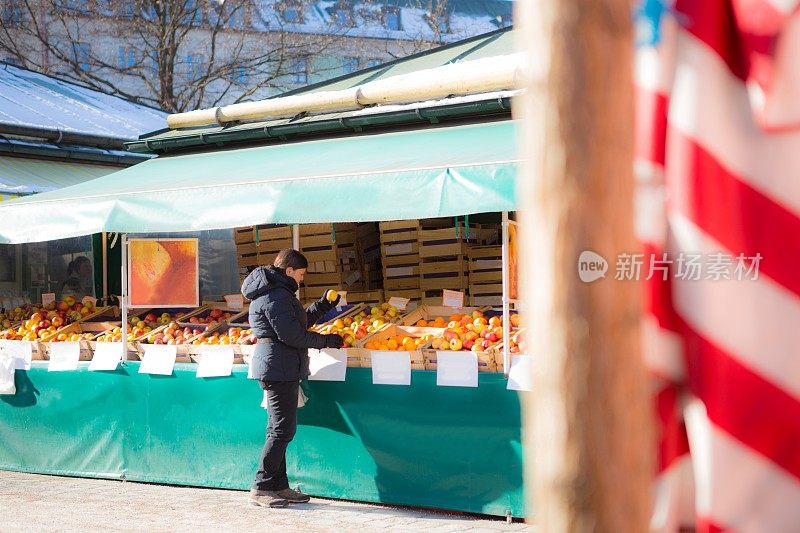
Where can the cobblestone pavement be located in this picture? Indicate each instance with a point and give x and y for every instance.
(32, 502)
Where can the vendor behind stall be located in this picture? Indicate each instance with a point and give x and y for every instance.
(80, 279)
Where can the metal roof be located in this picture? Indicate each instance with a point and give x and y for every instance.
(497, 43)
(32, 100)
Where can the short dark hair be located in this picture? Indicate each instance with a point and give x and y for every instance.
(290, 258)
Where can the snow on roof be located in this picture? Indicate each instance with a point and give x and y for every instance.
(36, 100)
(464, 19)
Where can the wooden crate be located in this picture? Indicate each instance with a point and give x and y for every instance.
(393, 330)
(365, 297)
(486, 361)
(430, 312)
(261, 233)
(414, 295)
(444, 273)
(455, 240)
(326, 228)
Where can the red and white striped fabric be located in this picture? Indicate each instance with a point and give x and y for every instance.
(718, 164)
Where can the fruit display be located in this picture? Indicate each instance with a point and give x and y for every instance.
(474, 332)
(234, 335)
(359, 322)
(14, 316)
(173, 333)
(46, 320)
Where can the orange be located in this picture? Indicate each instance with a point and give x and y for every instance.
(422, 323)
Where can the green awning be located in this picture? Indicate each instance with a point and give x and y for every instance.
(23, 175)
(445, 171)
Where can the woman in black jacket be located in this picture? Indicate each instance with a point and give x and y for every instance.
(279, 363)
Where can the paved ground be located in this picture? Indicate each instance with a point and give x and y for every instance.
(31, 502)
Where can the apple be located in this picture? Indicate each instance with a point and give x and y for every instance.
(469, 343)
(455, 344)
(69, 300)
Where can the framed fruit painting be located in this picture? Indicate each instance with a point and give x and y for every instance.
(163, 273)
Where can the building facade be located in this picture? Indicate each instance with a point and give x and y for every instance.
(188, 54)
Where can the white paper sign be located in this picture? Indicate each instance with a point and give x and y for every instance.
(328, 364)
(21, 351)
(48, 298)
(107, 356)
(64, 356)
(215, 361)
(248, 360)
(158, 359)
(391, 368)
(452, 298)
(519, 375)
(456, 369)
(400, 303)
(234, 301)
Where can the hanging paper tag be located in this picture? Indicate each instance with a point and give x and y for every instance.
(158, 359)
(520, 375)
(48, 298)
(64, 356)
(343, 300)
(391, 368)
(452, 298)
(399, 303)
(215, 361)
(234, 301)
(20, 351)
(456, 369)
(328, 364)
(107, 356)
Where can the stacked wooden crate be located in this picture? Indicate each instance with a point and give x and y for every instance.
(444, 259)
(368, 255)
(486, 275)
(400, 256)
(332, 259)
(258, 245)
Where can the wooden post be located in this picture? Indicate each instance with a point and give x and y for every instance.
(587, 424)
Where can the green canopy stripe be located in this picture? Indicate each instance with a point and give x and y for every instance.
(435, 172)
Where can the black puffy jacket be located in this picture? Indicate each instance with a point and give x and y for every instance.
(276, 314)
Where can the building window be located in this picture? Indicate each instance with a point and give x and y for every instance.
(239, 75)
(292, 13)
(391, 19)
(127, 57)
(152, 62)
(80, 54)
(195, 65)
(299, 70)
(193, 15)
(81, 6)
(12, 12)
(127, 9)
(441, 23)
(349, 64)
(342, 15)
(374, 62)
(236, 17)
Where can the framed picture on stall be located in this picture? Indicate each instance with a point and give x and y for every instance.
(163, 272)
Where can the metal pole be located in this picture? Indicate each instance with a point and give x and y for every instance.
(105, 268)
(506, 313)
(296, 245)
(123, 300)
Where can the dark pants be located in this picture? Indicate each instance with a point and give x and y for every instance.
(281, 427)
